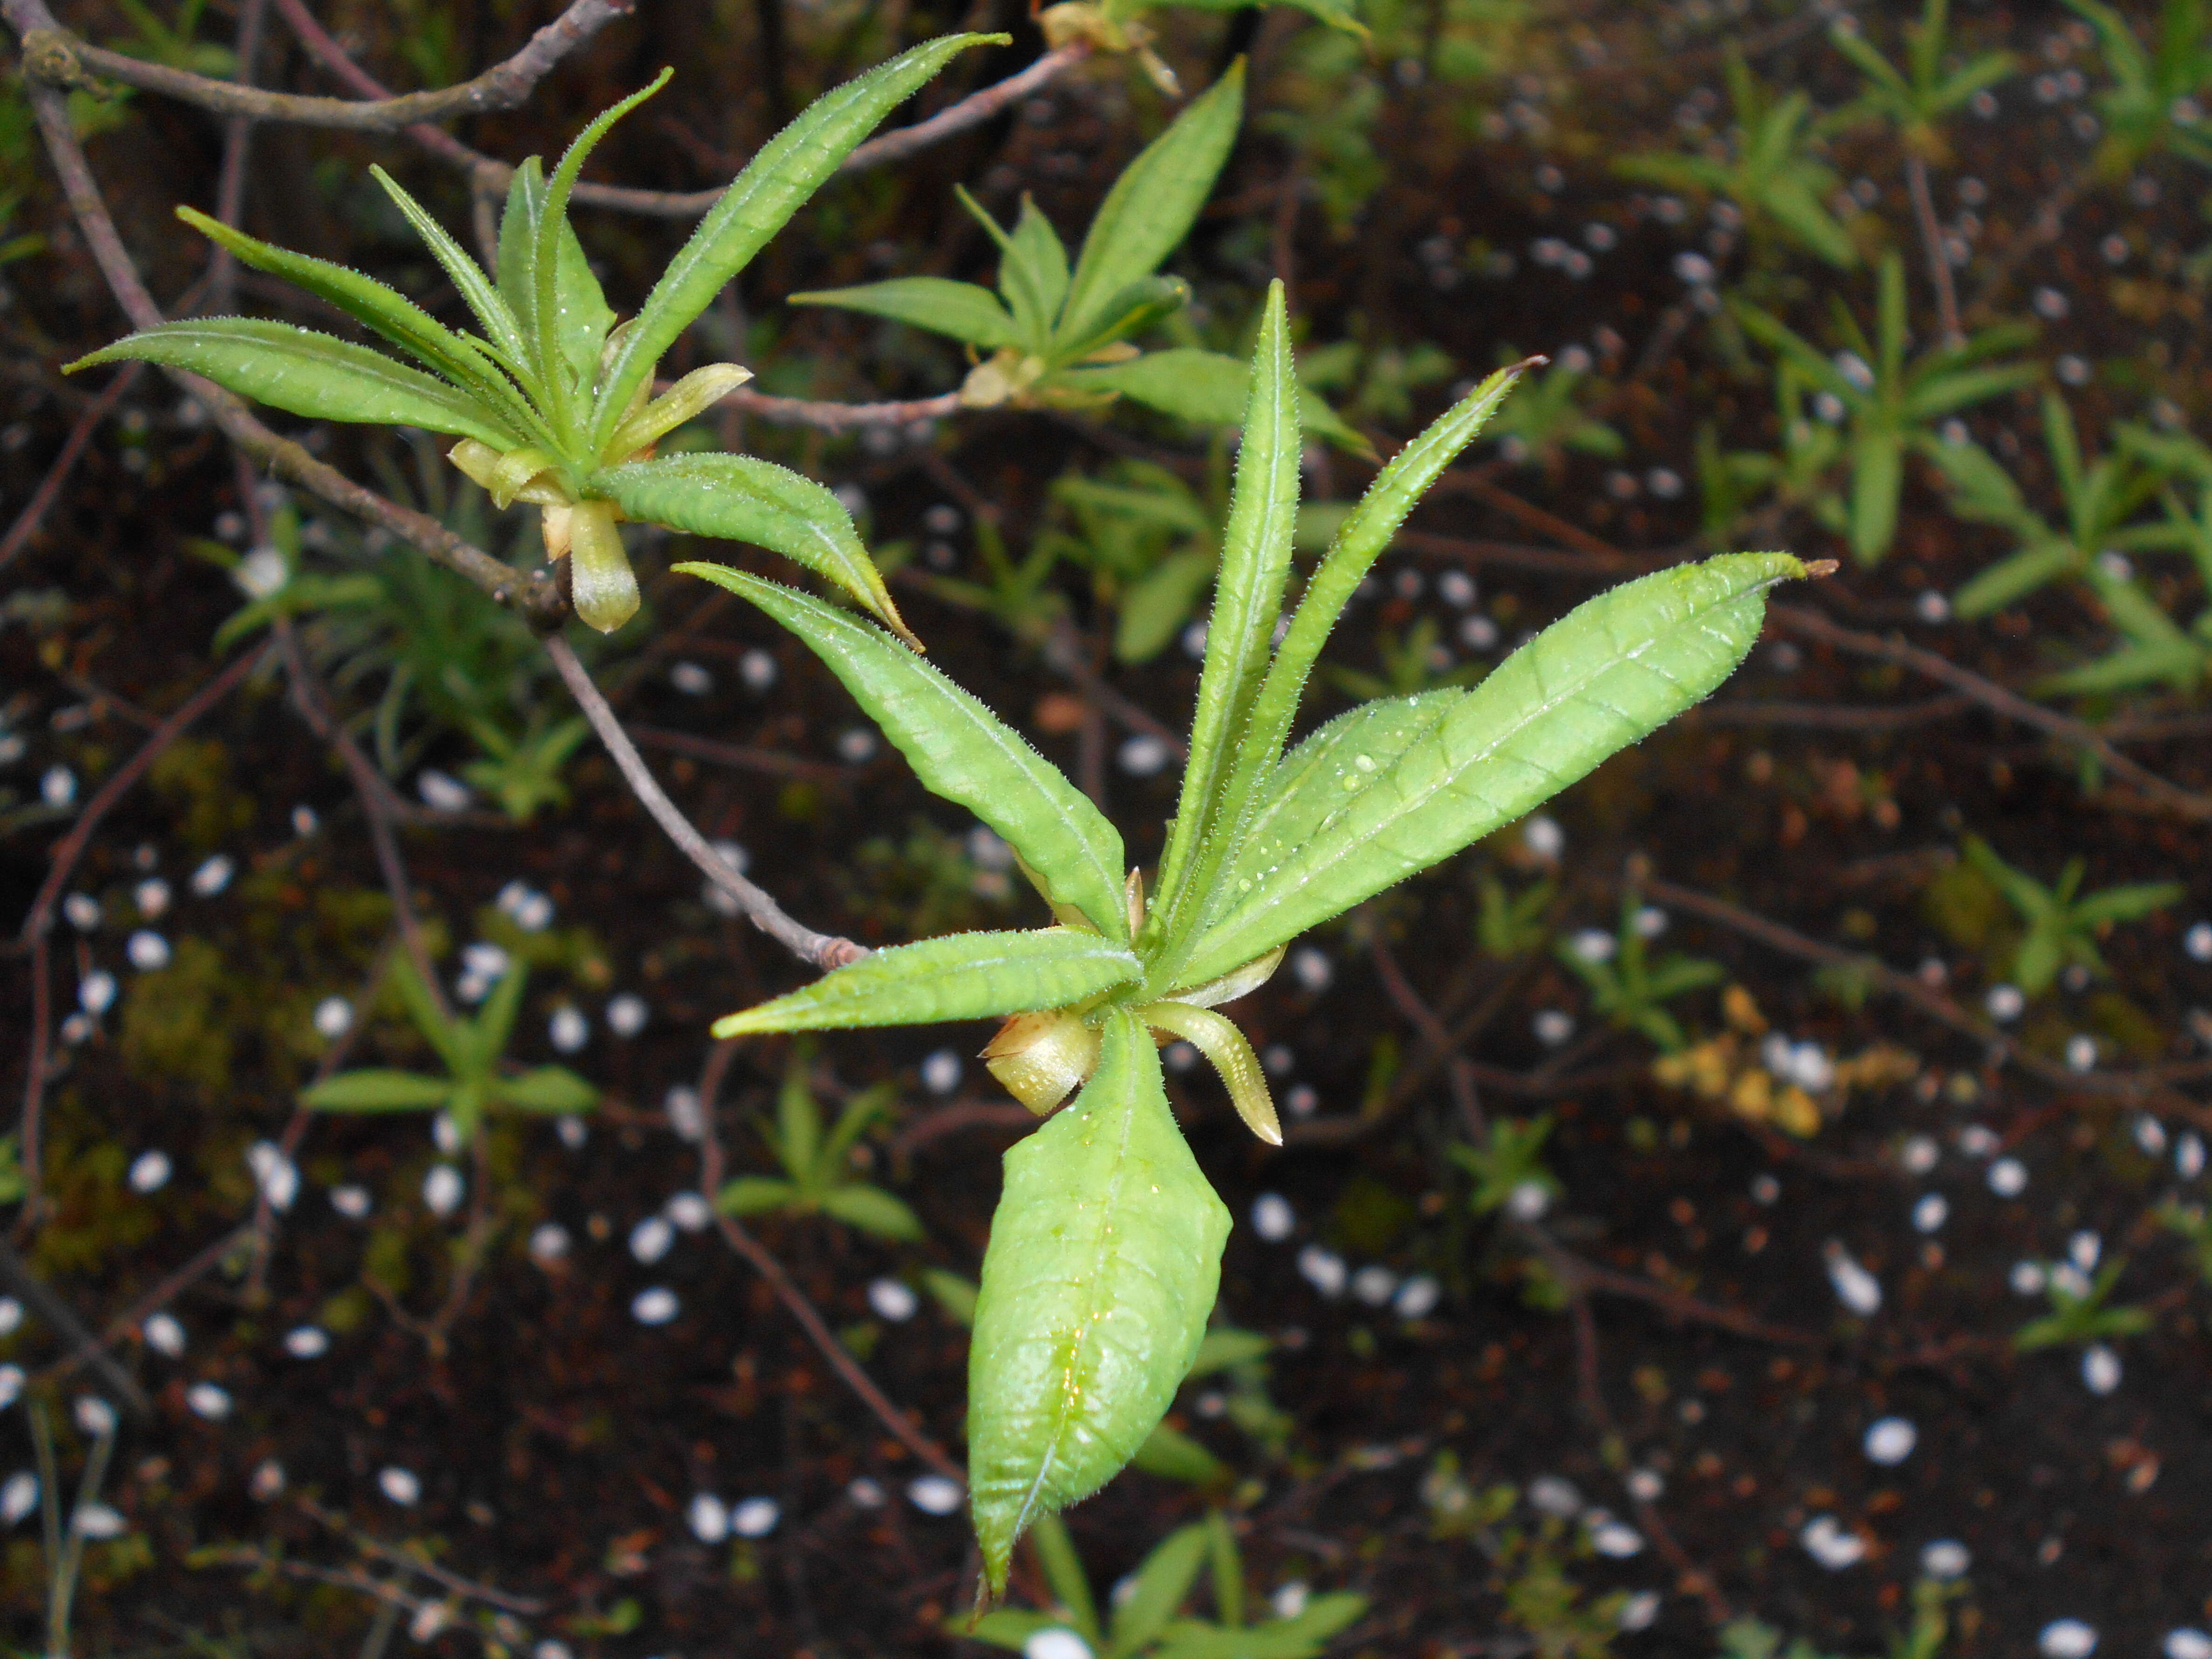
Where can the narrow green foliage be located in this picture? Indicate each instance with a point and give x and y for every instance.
(1631, 990)
(1892, 405)
(1512, 1163)
(1933, 84)
(2061, 928)
(2143, 107)
(1765, 166)
(554, 395)
(2078, 1314)
(817, 1177)
(473, 1049)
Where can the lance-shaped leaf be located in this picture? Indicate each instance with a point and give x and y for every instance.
(961, 751)
(788, 169)
(959, 977)
(372, 1090)
(1359, 541)
(545, 1089)
(1153, 205)
(690, 397)
(1247, 597)
(1597, 680)
(307, 374)
(1202, 387)
(573, 317)
(493, 313)
(385, 312)
(1032, 269)
(743, 498)
(961, 310)
(1337, 14)
(1104, 1258)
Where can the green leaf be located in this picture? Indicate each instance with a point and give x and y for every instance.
(963, 752)
(1158, 1588)
(1033, 274)
(372, 1091)
(1877, 475)
(385, 313)
(1202, 387)
(1595, 681)
(572, 315)
(444, 1036)
(307, 374)
(1326, 774)
(1153, 205)
(961, 310)
(954, 1294)
(517, 276)
(545, 1089)
(754, 1196)
(1064, 1575)
(774, 185)
(959, 977)
(2015, 578)
(1358, 542)
(1226, 1347)
(1337, 14)
(1247, 597)
(1104, 1258)
(1301, 1638)
(1173, 1455)
(485, 1038)
(1153, 610)
(492, 315)
(1134, 309)
(744, 499)
(873, 1211)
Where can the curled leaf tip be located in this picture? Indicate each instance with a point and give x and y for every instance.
(1817, 567)
(1538, 360)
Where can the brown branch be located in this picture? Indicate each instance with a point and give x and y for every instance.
(1939, 257)
(528, 1605)
(795, 1300)
(822, 950)
(166, 1291)
(1830, 716)
(83, 1348)
(56, 59)
(2157, 791)
(977, 107)
(237, 145)
(536, 596)
(740, 755)
(827, 417)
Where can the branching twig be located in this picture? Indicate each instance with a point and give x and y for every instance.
(2158, 790)
(73, 448)
(822, 950)
(56, 59)
(1939, 255)
(827, 417)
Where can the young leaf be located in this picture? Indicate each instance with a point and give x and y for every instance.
(743, 498)
(754, 1196)
(1159, 1588)
(443, 1034)
(1153, 205)
(601, 583)
(517, 276)
(873, 1211)
(1600, 679)
(1358, 542)
(959, 977)
(1033, 273)
(689, 397)
(961, 310)
(1255, 563)
(384, 311)
(788, 169)
(374, 1090)
(492, 312)
(1225, 1046)
(1134, 309)
(304, 372)
(1104, 1258)
(545, 1089)
(572, 314)
(961, 751)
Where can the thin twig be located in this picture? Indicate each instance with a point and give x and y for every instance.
(1831, 716)
(528, 1605)
(827, 417)
(740, 755)
(972, 111)
(536, 596)
(795, 1300)
(237, 145)
(155, 1300)
(58, 58)
(84, 1348)
(822, 950)
(73, 448)
(2156, 790)
(38, 923)
(1939, 255)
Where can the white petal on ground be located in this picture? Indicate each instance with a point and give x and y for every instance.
(2066, 1638)
(18, 1498)
(655, 1305)
(754, 1517)
(149, 1172)
(402, 1486)
(1273, 1218)
(209, 1400)
(163, 1334)
(934, 1494)
(893, 1299)
(1891, 1440)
